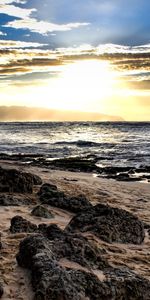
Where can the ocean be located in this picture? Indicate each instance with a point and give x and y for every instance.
(112, 143)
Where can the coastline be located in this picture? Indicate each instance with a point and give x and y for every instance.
(130, 196)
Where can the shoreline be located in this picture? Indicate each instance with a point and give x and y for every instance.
(130, 196)
(88, 164)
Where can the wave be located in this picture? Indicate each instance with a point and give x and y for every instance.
(83, 143)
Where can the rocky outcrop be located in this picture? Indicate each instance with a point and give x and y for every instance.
(109, 224)
(13, 200)
(52, 231)
(49, 194)
(53, 282)
(127, 285)
(19, 224)
(42, 212)
(14, 181)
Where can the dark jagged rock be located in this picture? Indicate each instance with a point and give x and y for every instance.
(52, 282)
(42, 212)
(124, 177)
(1, 290)
(73, 204)
(14, 181)
(49, 194)
(30, 247)
(74, 247)
(19, 224)
(77, 248)
(75, 164)
(52, 231)
(110, 224)
(13, 200)
(127, 284)
(46, 188)
(36, 179)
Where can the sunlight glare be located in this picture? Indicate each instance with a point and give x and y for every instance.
(84, 83)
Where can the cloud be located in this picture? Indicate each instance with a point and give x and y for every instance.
(27, 22)
(10, 44)
(3, 33)
(15, 11)
(42, 27)
(20, 58)
(4, 2)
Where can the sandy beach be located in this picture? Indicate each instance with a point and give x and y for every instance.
(133, 197)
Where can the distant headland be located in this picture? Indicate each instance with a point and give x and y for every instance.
(24, 113)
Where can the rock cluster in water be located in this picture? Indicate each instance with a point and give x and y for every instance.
(89, 163)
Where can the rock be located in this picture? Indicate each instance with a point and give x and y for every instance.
(42, 212)
(50, 195)
(36, 179)
(127, 284)
(13, 200)
(31, 246)
(50, 281)
(72, 204)
(1, 290)
(78, 249)
(126, 177)
(75, 164)
(14, 181)
(74, 247)
(46, 188)
(19, 224)
(109, 224)
(51, 231)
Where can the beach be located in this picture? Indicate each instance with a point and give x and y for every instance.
(132, 197)
(74, 150)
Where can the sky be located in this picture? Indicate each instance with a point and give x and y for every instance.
(87, 56)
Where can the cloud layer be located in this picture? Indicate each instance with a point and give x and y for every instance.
(23, 19)
(20, 58)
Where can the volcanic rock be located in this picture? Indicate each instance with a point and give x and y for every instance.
(78, 249)
(41, 211)
(14, 181)
(46, 188)
(50, 281)
(127, 284)
(13, 200)
(51, 231)
(49, 194)
(74, 247)
(109, 224)
(19, 224)
(76, 164)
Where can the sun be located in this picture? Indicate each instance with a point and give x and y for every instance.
(82, 85)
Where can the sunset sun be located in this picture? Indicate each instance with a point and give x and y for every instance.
(82, 83)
